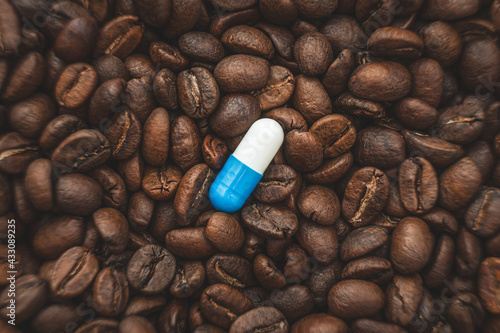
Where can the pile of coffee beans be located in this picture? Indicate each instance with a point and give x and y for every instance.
(380, 213)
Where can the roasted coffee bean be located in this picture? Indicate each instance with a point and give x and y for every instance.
(393, 81)
(441, 42)
(344, 32)
(319, 204)
(73, 272)
(10, 27)
(465, 313)
(113, 229)
(415, 113)
(201, 46)
(234, 115)
(110, 292)
(55, 317)
(215, 151)
(277, 184)
(313, 53)
(468, 253)
(319, 241)
(365, 196)
(189, 277)
(441, 262)
(336, 133)
(119, 37)
(81, 151)
(109, 67)
(198, 92)
(168, 56)
(270, 221)
(350, 104)
(355, 298)
(139, 65)
(31, 291)
(140, 211)
(57, 235)
(77, 194)
(363, 241)
(189, 243)
(156, 137)
(240, 73)
(131, 171)
(481, 215)
(303, 150)
(395, 42)
(458, 184)
(418, 185)
(113, 185)
(38, 182)
(75, 85)
(331, 170)
(139, 97)
(222, 304)
(186, 143)
(151, 269)
(479, 63)
(25, 78)
(144, 305)
(137, 324)
(319, 321)
(441, 220)
(248, 40)
(58, 129)
(225, 232)
(379, 147)
(155, 13)
(230, 269)
(374, 269)
(412, 244)
(30, 116)
(262, 318)
(268, 275)
(161, 183)
(293, 301)
(124, 133)
(278, 89)
(488, 284)
(184, 16)
(311, 99)
(77, 39)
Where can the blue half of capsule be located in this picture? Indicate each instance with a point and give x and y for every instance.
(233, 185)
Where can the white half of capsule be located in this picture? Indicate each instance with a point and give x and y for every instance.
(260, 144)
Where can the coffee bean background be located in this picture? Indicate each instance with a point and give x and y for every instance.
(380, 213)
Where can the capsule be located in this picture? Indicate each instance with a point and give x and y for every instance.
(245, 167)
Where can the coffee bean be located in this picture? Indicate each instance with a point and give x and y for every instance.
(468, 253)
(270, 221)
(311, 99)
(144, 305)
(81, 151)
(55, 317)
(184, 16)
(10, 30)
(336, 133)
(109, 67)
(293, 301)
(137, 324)
(230, 269)
(222, 304)
(131, 171)
(186, 143)
(267, 318)
(151, 269)
(365, 196)
(99, 325)
(374, 269)
(39, 180)
(119, 37)
(412, 244)
(278, 89)
(167, 56)
(363, 241)
(25, 77)
(331, 170)
(139, 97)
(224, 232)
(268, 275)
(395, 42)
(73, 272)
(77, 39)
(465, 313)
(350, 104)
(319, 204)
(379, 147)
(319, 241)
(32, 293)
(418, 185)
(320, 321)
(215, 151)
(161, 183)
(488, 284)
(110, 292)
(415, 113)
(403, 297)
(240, 73)
(248, 40)
(113, 229)
(441, 262)
(189, 243)
(155, 13)
(77, 194)
(479, 62)
(313, 53)
(234, 115)
(75, 85)
(442, 43)
(201, 46)
(277, 184)
(303, 150)
(355, 298)
(124, 134)
(480, 216)
(198, 92)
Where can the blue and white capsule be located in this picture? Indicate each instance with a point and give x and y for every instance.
(245, 167)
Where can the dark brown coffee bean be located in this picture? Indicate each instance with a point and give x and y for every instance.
(235, 114)
(441, 262)
(189, 243)
(77, 39)
(186, 143)
(458, 184)
(75, 85)
(319, 204)
(336, 133)
(25, 78)
(137, 324)
(77, 194)
(303, 150)
(156, 139)
(106, 101)
(73, 272)
(201, 46)
(337, 75)
(293, 301)
(198, 92)
(140, 211)
(110, 292)
(319, 241)
(441, 220)
(230, 269)
(344, 32)
(151, 269)
(481, 215)
(139, 65)
(99, 325)
(277, 184)
(439, 152)
(313, 53)
(119, 37)
(288, 118)
(39, 180)
(395, 42)
(164, 88)
(55, 317)
(320, 322)
(363, 241)
(412, 244)
(479, 63)
(248, 40)
(488, 277)
(115, 192)
(161, 183)
(461, 124)
(10, 30)
(225, 232)
(415, 113)
(365, 196)
(311, 99)
(144, 305)
(418, 185)
(374, 269)
(215, 151)
(331, 170)
(441, 42)
(427, 81)
(131, 171)
(222, 304)
(278, 89)
(30, 116)
(465, 313)
(468, 253)
(379, 147)
(392, 81)
(189, 277)
(355, 298)
(124, 133)
(270, 221)
(352, 105)
(268, 275)
(81, 151)
(261, 318)
(113, 229)
(58, 129)
(403, 297)
(109, 67)
(155, 13)
(168, 56)
(139, 97)
(239, 73)
(183, 18)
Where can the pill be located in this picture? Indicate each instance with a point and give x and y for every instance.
(245, 167)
